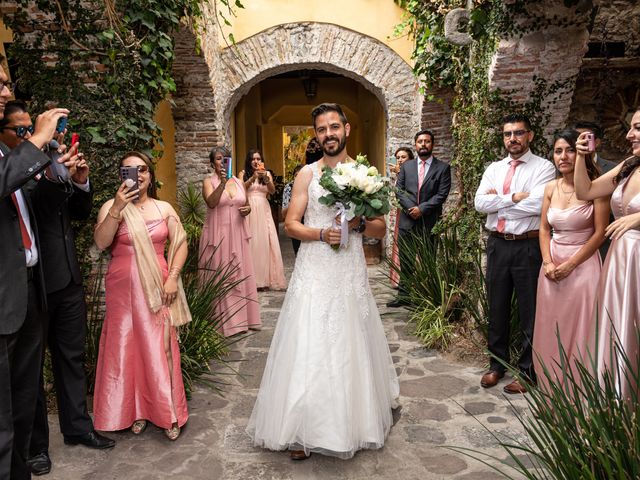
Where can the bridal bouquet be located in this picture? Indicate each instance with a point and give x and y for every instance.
(355, 189)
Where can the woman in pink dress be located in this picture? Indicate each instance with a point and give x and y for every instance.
(570, 267)
(138, 377)
(617, 309)
(402, 155)
(265, 248)
(225, 241)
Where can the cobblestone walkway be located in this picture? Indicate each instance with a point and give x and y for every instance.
(434, 396)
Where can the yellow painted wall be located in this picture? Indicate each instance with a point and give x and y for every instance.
(166, 165)
(375, 18)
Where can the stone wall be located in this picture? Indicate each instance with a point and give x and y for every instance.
(437, 116)
(618, 21)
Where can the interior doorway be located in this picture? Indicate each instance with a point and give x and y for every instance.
(277, 112)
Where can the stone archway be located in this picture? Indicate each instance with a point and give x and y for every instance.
(327, 47)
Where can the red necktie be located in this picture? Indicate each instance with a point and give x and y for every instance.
(26, 239)
(421, 168)
(506, 188)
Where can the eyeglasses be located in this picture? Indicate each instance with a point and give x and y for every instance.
(517, 133)
(8, 84)
(142, 168)
(20, 131)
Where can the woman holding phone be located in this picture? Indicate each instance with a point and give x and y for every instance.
(617, 308)
(225, 241)
(138, 377)
(265, 247)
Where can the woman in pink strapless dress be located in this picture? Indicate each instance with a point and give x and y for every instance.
(138, 377)
(265, 247)
(402, 155)
(618, 300)
(224, 241)
(570, 270)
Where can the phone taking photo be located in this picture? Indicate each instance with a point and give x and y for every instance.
(130, 173)
(227, 167)
(62, 125)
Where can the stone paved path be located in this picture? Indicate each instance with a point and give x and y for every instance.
(214, 445)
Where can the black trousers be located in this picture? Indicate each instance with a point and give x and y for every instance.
(512, 266)
(65, 335)
(20, 355)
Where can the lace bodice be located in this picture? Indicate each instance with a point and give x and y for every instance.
(328, 274)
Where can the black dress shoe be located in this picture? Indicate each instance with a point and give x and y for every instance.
(91, 440)
(39, 464)
(396, 303)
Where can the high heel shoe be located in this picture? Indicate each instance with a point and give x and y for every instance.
(173, 433)
(138, 427)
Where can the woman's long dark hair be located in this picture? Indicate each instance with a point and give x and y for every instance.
(571, 136)
(248, 168)
(629, 165)
(151, 191)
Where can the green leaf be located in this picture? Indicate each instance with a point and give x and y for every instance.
(95, 135)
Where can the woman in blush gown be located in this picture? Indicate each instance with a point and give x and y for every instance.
(265, 247)
(570, 268)
(138, 377)
(617, 309)
(224, 241)
(402, 155)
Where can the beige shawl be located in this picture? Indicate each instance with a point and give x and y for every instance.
(149, 268)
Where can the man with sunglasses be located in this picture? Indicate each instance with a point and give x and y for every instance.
(22, 297)
(56, 205)
(510, 194)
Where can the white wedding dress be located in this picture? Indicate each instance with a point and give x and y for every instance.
(329, 383)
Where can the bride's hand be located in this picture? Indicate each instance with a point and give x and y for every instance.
(332, 236)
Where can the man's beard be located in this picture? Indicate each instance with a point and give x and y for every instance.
(424, 153)
(342, 143)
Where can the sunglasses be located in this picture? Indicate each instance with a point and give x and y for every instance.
(8, 84)
(21, 131)
(517, 133)
(142, 168)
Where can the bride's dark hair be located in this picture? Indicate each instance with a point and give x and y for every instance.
(629, 166)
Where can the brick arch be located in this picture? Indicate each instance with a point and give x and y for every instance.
(326, 47)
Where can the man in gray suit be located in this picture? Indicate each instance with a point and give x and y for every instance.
(604, 165)
(423, 186)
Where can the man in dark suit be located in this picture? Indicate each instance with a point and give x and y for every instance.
(423, 187)
(22, 299)
(604, 166)
(55, 205)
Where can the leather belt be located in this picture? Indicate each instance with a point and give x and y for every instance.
(30, 273)
(512, 236)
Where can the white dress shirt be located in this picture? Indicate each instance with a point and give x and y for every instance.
(530, 176)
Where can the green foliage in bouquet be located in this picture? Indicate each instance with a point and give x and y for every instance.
(358, 186)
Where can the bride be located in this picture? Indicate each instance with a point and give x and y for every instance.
(329, 383)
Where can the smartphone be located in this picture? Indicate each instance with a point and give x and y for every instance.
(227, 166)
(591, 142)
(130, 173)
(62, 124)
(75, 138)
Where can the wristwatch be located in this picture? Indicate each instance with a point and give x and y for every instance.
(362, 227)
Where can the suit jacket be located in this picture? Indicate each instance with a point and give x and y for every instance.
(56, 205)
(605, 165)
(16, 168)
(433, 193)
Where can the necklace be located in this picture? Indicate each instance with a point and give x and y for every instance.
(572, 192)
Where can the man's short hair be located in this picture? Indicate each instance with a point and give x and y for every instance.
(11, 107)
(325, 108)
(424, 132)
(591, 126)
(517, 118)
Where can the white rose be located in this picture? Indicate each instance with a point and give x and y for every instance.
(372, 172)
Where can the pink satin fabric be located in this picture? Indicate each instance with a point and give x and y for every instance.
(618, 304)
(265, 248)
(132, 379)
(566, 307)
(395, 254)
(229, 231)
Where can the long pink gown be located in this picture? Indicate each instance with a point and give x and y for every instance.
(618, 296)
(265, 248)
(566, 307)
(229, 231)
(394, 274)
(133, 381)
